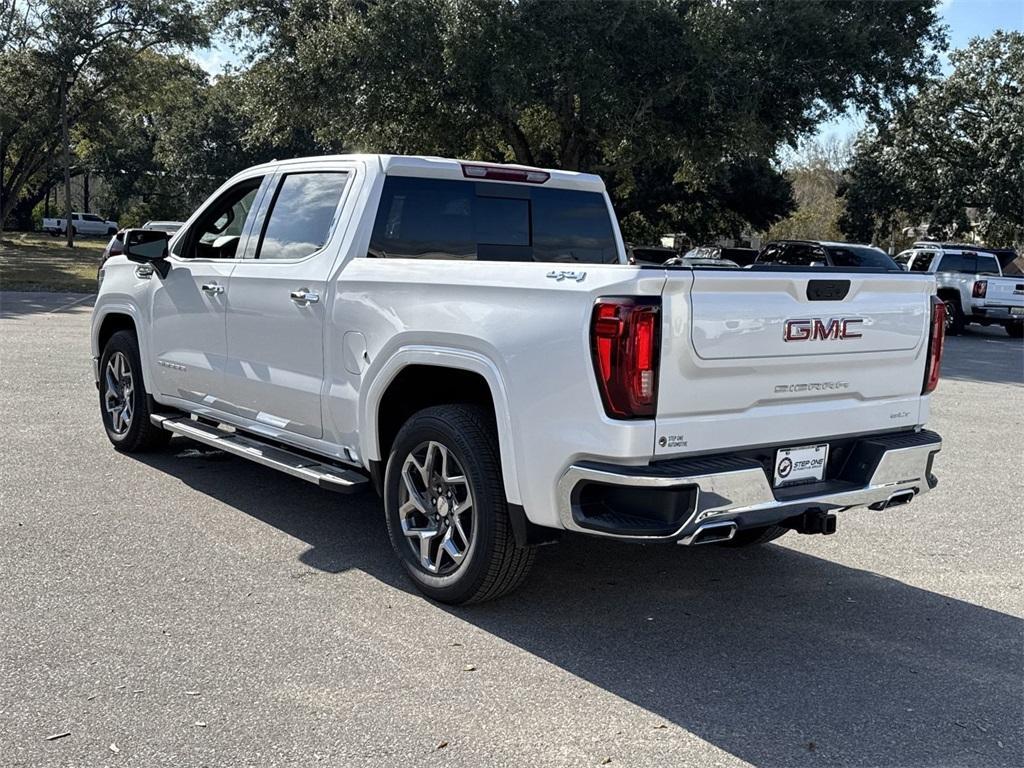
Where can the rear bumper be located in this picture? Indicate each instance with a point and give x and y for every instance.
(672, 500)
(997, 312)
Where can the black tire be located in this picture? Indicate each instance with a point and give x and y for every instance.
(493, 563)
(955, 320)
(752, 537)
(140, 435)
(1015, 329)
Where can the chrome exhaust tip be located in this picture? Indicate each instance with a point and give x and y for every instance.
(712, 533)
(897, 499)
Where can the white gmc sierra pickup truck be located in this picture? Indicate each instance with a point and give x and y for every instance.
(469, 339)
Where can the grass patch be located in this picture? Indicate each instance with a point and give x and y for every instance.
(30, 261)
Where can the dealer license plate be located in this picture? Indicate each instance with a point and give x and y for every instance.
(805, 464)
(1017, 310)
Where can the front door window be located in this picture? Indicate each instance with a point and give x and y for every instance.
(217, 232)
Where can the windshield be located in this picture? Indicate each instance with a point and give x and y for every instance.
(860, 256)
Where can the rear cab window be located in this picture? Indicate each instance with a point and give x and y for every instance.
(491, 221)
(987, 265)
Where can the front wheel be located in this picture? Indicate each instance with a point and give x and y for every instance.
(447, 514)
(124, 406)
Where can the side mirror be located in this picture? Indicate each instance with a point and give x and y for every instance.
(145, 245)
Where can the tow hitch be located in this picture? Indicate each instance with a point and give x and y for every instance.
(812, 521)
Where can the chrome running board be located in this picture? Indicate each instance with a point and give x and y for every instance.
(329, 476)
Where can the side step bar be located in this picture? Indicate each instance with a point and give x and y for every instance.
(331, 477)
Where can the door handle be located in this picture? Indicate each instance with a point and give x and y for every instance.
(213, 288)
(305, 296)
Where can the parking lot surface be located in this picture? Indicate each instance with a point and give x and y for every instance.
(191, 609)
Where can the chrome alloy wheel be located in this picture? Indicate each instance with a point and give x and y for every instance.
(435, 508)
(118, 393)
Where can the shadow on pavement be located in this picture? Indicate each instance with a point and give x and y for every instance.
(21, 304)
(984, 355)
(777, 657)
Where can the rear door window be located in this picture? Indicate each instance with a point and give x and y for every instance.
(959, 263)
(489, 221)
(301, 215)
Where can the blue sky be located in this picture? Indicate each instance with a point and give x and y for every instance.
(964, 18)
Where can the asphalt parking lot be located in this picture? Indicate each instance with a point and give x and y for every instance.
(190, 609)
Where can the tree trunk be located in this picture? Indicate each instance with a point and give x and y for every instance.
(85, 193)
(70, 230)
(3, 171)
(520, 146)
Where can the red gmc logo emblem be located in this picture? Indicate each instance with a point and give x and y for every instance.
(816, 329)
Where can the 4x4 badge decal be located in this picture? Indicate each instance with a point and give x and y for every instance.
(565, 274)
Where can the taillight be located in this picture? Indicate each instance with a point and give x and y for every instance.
(936, 339)
(980, 288)
(504, 173)
(625, 340)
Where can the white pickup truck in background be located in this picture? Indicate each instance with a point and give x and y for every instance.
(978, 285)
(81, 224)
(469, 340)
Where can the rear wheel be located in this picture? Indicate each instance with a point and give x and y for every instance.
(955, 320)
(1015, 328)
(124, 405)
(750, 537)
(447, 515)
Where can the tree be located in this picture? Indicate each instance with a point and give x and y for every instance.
(816, 176)
(165, 149)
(97, 44)
(956, 145)
(692, 99)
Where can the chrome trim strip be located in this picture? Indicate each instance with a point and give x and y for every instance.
(725, 495)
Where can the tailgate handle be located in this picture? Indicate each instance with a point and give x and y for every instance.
(827, 290)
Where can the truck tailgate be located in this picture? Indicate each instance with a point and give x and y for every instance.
(1005, 292)
(758, 358)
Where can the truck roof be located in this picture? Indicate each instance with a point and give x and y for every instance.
(449, 168)
(828, 243)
